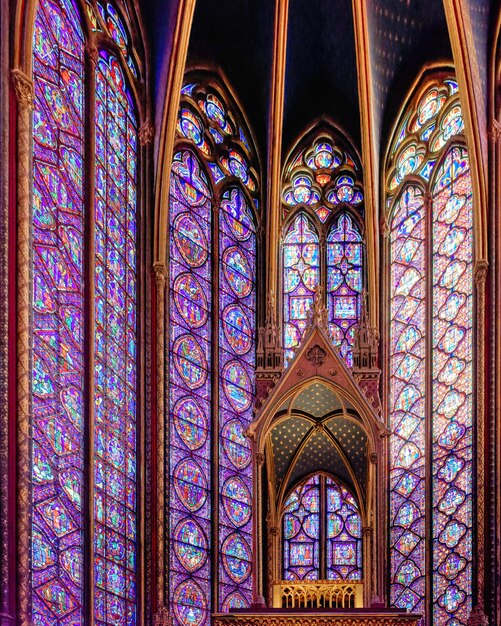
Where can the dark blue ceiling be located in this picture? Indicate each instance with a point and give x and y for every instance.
(321, 69)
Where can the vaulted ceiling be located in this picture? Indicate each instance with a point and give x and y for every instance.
(321, 75)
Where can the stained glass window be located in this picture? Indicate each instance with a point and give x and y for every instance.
(58, 307)
(208, 239)
(322, 528)
(344, 282)
(62, 297)
(431, 361)
(323, 191)
(115, 347)
(301, 278)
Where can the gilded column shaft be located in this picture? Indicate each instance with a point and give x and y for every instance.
(162, 471)
(24, 92)
(480, 278)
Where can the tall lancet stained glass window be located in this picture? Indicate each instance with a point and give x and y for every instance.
(431, 359)
(322, 201)
(64, 395)
(322, 532)
(213, 203)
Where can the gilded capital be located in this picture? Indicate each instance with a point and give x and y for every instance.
(260, 458)
(480, 272)
(23, 87)
(146, 133)
(160, 275)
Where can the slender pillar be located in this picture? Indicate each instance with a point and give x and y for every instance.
(275, 145)
(162, 472)
(24, 93)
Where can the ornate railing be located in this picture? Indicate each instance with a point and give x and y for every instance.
(318, 594)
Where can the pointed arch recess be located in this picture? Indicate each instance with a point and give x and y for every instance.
(214, 213)
(431, 255)
(322, 186)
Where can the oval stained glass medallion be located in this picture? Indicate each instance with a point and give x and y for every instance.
(190, 422)
(237, 329)
(190, 300)
(235, 444)
(236, 557)
(190, 484)
(237, 501)
(237, 271)
(237, 386)
(190, 604)
(190, 240)
(190, 545)
(190, 361)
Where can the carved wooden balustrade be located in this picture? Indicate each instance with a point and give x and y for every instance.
(318, 594)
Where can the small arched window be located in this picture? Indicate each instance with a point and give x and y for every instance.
(322, 532)
(431, 250)
(322, 242)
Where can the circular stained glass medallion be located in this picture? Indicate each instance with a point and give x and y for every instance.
(237, 329)
(190, 604)
(235, 444)
(237, 271)
(236, 557)
(237, 386)
(190, 300)
(190, 484)
(190, 240)
(237, 215)
(190, 361)
(190, 545)
(190, 423)
(237, 500)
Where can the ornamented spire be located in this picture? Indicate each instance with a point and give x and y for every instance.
(365, 356)
(269, 354)
(317, 314)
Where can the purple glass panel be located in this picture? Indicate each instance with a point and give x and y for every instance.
(344, 534)
(189, 391)
(57, 325)
(301, 532)
(237, 304)
(115, 348)
(344, 282)
(301, 277)
(407, 401)
(452, 388)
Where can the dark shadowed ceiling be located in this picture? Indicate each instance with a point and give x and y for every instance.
(236, 36)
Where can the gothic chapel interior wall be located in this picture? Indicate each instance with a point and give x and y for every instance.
(183, 133)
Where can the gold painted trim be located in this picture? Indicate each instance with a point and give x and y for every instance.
(175, 76)
(473, 109)
(370, 159)
(274, 181)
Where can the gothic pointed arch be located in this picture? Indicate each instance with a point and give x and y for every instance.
(214, 215)
(431, 368)
(322, 234)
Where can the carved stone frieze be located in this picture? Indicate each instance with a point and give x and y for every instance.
(312, 619)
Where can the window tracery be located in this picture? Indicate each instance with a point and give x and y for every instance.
(213, 198)
(323, 242)
(431, 360)
(322, 532)
(64, 343)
